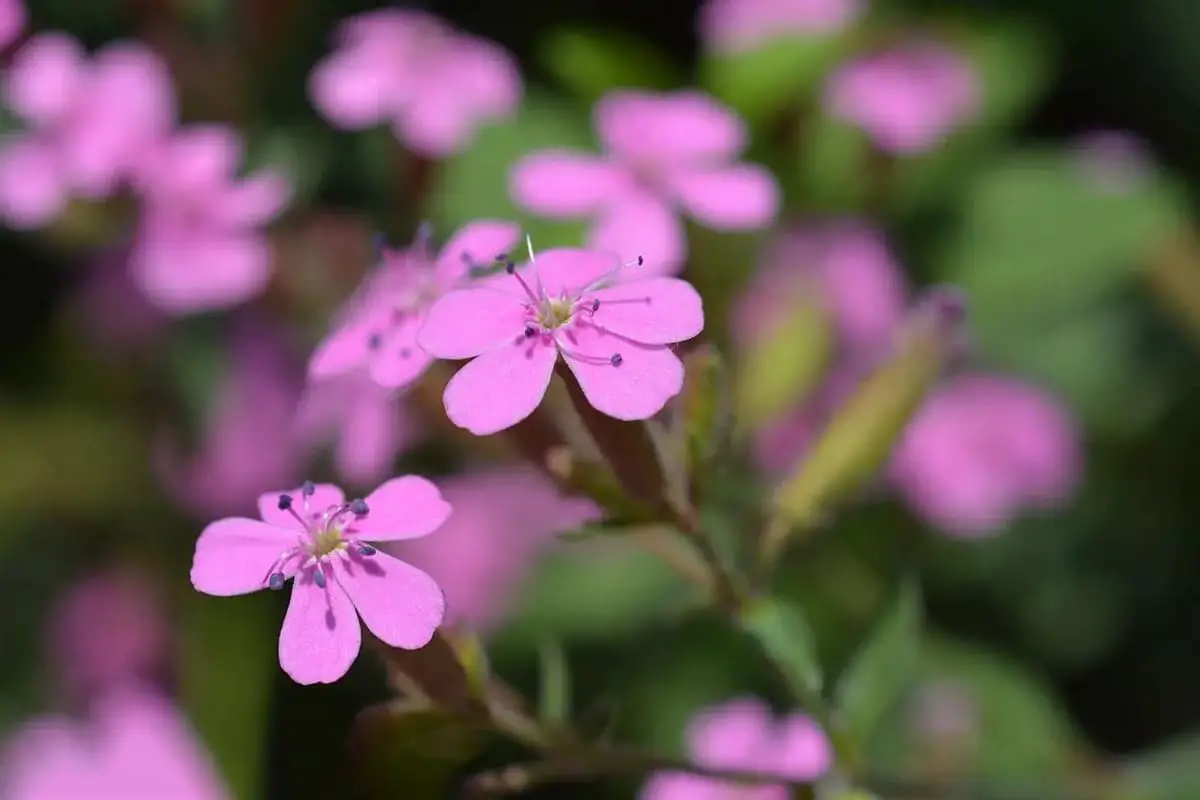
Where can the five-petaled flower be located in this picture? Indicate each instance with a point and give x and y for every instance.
(378, 328)
(314, 536)
(614, 336)
(664, 151)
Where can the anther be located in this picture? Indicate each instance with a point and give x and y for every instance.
(319, 577)
(529, 331)
(467, 258)
(285, 502)
(367, 550)
(276, 580)
(308, 489)
(640, 261)
(359, 507)
(375, 341)
(424, 232)
(510, 267)
(596, 305)
(616, 360)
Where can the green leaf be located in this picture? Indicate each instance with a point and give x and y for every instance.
(1170, 772)
(414, 753)
(767, 81)
(228, 664)
(1041, 238)
(474, 184)
(883, 667)
(592, 62)
(784, 634)
(554, 697)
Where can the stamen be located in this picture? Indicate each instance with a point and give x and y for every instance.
(285, 502)
(359, 508)
(367, 550)
(375, 341)
(595, 305)
(275, 581)
(424, 236)
(530, 332)
(616, 360)
(308, 489)
(319, 576)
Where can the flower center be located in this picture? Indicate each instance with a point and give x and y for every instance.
(555, 313)
(326, 536)
(326, 539)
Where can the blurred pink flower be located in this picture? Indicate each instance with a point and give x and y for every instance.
(250, 441)
(200, 244)
(781, 444)
(740, 25)
(133, 745)
(339, 576)
(113, 309)
(377, 330)
(433, 84)
(89, 122)
(12, 21)
(502, 518)
(909, 99)
(982, 449)
(368, 424)
(846, 267)
(744, 735)
(106, 631)
(664, 151)
(614, 337)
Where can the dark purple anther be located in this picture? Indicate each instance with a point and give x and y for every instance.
(641, 261)
(319, 577)
(595, 305)
(359, 508)
(366, 550)
(276, 580)
(529, 331)
(308, 489)
(375, 341)
(285, 502)
(510, 267)
(616, 360)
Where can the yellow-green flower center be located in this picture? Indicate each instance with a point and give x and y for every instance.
(326, 540)
(555, 313)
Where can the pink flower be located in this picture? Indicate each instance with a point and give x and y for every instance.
(200, 244)
(106, 631)
(12, 21)
(134, 746)
(502, 518)
(378, 328)
(433, 84)
(733, 26)
(89, 123)
(250, 441)
(369, 425)
(323, 544)
(743, 735)
(983, 448)
(846, 267)
(663, 152)
(614, 337)
(908, 99)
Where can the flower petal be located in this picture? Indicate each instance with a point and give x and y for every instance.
(569, 269)
(399, 361)
(349, 346)
(804, 752)
(645, 379)
(500, 388)
(641, 225)
(235, 555)
(354, 89)
(399, 603)
(653, 311)
(320, 637)
(476, 242)
(683, 786)
(45, 79)
(565, 183)
(185, 270)
(33, 190)
(324, 495)
(467, 322)
(402, 508)
(732, 735)
(741, 197)
(435, 122)
(682, 127)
